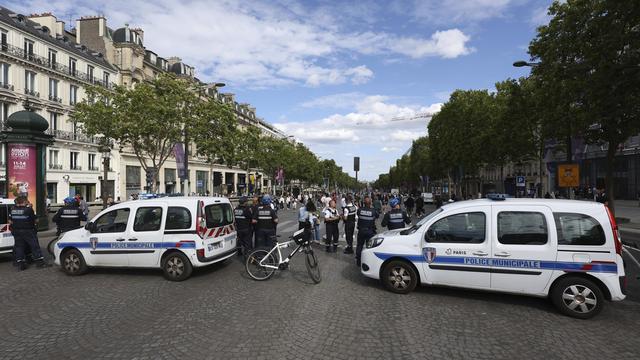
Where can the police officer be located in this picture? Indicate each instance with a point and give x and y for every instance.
(265, 220)
(331, 220)
(367, 216)
(24, 230)
(69, 216)
(349, 217)
(396, 218)
(243, 216)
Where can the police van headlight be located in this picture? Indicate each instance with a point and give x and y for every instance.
(374, 241)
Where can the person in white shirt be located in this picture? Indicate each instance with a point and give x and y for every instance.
(331, 220)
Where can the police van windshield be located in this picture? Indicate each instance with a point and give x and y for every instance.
(218, 215)
(421, 222)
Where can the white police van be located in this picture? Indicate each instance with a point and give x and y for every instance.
(567, 250)
(175, 234)
(6, 238)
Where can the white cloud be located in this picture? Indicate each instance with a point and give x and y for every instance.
(458, 11)
(539, 16)
(346, 100)
(259, 45)
(376, 130)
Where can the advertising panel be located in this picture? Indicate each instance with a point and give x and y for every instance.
(568, 175)
(21, 167)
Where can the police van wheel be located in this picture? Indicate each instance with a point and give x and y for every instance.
(577, 297)
(176, 267)
(399, 277)
(73, 263)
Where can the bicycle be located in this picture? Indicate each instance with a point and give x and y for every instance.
(261, 264)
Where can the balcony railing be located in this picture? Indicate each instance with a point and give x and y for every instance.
(93, 168)
(76, 167)
(45, 62)
(55, 98)
(70, 135)
(32, 92)
(55, 166)
(6, 86)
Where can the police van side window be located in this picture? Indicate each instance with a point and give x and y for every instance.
(178, 218)
(467, 228)
(218, 215)
(148, 219)
(4, 214)
(522, 228)
(113, 221)
(578, 229)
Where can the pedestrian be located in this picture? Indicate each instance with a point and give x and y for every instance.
(601, 197)
(48, 204)
(438, 201)
(82, 204)
(22, 222)
(349, 218)
(377, 204)
(254, 209)
(303, 217)
(266, 220)
(409, 203)
(419, 206)
(313, 218)
(331, 220)
(69, 216)
(243, 218)
(396, 217)
(366, 226)
(547, 195)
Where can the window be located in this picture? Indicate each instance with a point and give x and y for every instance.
(53, 121)
(73, 95)
(522, 228)
(133, 177)
(4, 111)
(52, 58)
(113, 221)
(148, 219)
(578, 229)
(53, 159)
(218, 215)
(28, 49)
(74, 165)
(178, 218)
(53, 89)
(460, 228)
(90, 73)
(72, 66)
(30, 82)
(92, 162)
(4, 75)
(4, 213)
(4, 40)
(105, 78)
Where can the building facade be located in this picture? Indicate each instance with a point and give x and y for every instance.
(42, 65)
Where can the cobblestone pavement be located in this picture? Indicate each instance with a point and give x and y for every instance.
(221, 313)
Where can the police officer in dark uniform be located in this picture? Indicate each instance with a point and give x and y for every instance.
(24, 230)
(243, 216)
(265, 220)
(349, 217)
(69, 216)
(396, 218)
(367, 216)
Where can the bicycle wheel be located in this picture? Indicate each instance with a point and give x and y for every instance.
(51, 246)
(257, 271)
(311, 263)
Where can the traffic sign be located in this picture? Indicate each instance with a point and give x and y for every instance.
(521, 181)
(568, 175)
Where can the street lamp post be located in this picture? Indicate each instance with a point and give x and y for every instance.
(105, 149)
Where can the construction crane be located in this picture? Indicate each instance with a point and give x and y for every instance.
(424, 115)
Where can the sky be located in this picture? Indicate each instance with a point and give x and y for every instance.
(346, 78)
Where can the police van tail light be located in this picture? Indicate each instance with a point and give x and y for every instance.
(201, 227)
(616, 232)
(200, 253)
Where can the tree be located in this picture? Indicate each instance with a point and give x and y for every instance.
(590, 51)
(149, 119)
(214, 131)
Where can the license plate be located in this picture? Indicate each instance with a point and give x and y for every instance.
(217, 245)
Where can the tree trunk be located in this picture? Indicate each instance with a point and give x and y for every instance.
(609, 177)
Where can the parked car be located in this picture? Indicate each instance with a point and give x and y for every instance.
(566, 250)
(174, 234)
(427, 197)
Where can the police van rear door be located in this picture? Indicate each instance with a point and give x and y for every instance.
(6, 239)
(457, 248)
(220, 237)
(524, 248)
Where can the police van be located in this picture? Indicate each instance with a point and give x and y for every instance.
(6, 239)
(569, 251)
(175, 234)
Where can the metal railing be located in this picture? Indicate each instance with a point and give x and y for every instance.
(32, 92)
(6, 86)
(77, 167)
(94, 168)
(45, 62)
(70, 135)
(55, 98)
(55, 166)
